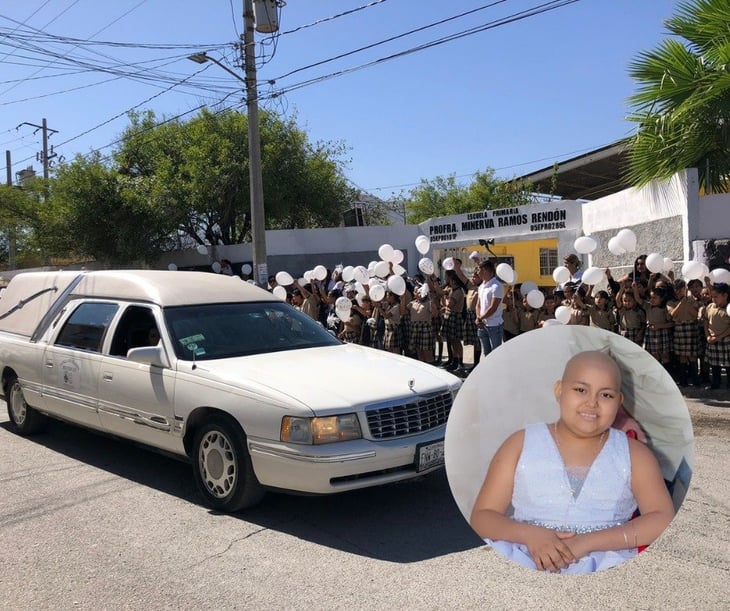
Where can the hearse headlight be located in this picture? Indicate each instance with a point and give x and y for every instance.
(325, 429)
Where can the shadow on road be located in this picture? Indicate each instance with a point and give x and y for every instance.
(406, 522)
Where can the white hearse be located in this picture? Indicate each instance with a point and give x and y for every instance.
(213, 369)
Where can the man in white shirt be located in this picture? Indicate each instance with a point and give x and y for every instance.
(489, 308)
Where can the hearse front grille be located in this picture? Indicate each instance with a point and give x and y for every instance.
(409, 418)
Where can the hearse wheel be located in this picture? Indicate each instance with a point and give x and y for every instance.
(222, 466)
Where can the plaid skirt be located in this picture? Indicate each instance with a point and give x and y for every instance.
(635, 335)
(470, 329)
(392, 336)
(718, 354)
(422, 337)
(686, 338)
(702, 343)
(452, 326)
(658, 341)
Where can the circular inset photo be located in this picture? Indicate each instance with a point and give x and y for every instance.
(569, 449)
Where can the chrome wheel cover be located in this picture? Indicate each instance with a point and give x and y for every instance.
(217, 464)
(17, 404)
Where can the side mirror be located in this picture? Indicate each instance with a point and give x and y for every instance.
(149, 355)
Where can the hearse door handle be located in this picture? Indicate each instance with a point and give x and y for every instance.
(107, 376)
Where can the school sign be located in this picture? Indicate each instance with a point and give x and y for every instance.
(521, 221)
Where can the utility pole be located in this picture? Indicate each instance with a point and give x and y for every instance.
(44, 157)
(12, 244)
(258, 225)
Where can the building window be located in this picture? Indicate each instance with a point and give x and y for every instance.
(548, 261)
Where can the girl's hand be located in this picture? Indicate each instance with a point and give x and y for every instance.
(549, 551)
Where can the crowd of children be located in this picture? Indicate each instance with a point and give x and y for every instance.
(684, 325)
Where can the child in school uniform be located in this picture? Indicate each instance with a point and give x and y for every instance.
(510, 316)
(631, 316)
(547, 312)
(390, 310)
(470, 325)
(717, 332)
(659, 325)
(601, 313)
(686, 339)
(420, 326)
(528, 317)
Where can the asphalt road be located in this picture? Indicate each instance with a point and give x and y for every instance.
(88, 522)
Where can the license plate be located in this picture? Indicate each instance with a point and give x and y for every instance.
(429, 455)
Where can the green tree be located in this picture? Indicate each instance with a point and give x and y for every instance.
(682, 105)
(443, 196)
(201, 172)
(95, 211)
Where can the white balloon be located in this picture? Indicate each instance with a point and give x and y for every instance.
(361, 274)
(655, 262)
(284, 278)
(550, 322)
(377, 292)
(426, 266)
(398, 270)
(506, 273)
(371, 268)
(423, 244)
(585, 244)
(527, 287)
(360, 287)
(307, 276)
(668, 265)
(615, 246)
(593, 275)
(246, 269)
(385, 252)
(692, 270)
(202, 249)
(280, 292)
(561, 275)
(562, 314)
(382, 269)
(319, 272)
(302, 281)
(343, 303)
(397, 285)
(448, 263)
(216, 267)
(535, 298)
(474, 256)
(627, 239)
(343, 315)
(720, 275)
(347, 273)
(397, 257)
(172, 267)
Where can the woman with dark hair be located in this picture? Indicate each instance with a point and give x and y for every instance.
(640, 271)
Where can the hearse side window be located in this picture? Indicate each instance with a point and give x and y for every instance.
(85, 328)
(136, 328)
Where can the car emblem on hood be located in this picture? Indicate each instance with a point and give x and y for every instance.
(411, 384)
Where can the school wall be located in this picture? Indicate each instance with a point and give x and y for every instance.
(661, 214)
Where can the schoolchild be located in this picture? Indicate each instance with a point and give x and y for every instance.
(686, 338)
(659, 325)
(510, 316)
(452, 319)
(418, 311)
(704, 300)
(631, 317)
(601, 313)
(470, 325)
(560, 496)
(574, 299)
(528, 317)
(547, 312)
(717, 332)
(390, 308)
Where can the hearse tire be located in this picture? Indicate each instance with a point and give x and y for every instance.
(26, 419)
(222, 466)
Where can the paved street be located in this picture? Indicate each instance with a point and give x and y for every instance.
(88, 522)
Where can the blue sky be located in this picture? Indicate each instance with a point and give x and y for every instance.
(515, 98)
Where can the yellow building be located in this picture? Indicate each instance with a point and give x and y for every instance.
(533, 260)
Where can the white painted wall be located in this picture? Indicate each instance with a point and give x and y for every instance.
(714, 218)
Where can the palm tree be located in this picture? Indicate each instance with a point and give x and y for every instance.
(682, 105)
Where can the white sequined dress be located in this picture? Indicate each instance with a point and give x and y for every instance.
(545, 494)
